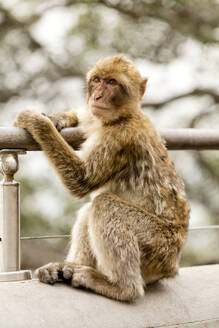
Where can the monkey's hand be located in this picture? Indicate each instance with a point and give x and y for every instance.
(63, 120)
(28, 119)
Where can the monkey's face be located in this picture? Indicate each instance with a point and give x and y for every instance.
(114, 88)
(106, 95)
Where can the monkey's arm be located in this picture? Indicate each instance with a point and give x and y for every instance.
(79, 177)
(64, 120)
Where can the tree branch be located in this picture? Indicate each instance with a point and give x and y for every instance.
(195, 92)
(178, 15)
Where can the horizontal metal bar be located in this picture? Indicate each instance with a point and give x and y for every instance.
(210, 227)
(19, 138)
(45, 237)
(198, 139)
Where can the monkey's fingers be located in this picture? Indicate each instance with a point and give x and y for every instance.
(58, 123)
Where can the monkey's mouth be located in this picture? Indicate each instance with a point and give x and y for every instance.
(101, 107)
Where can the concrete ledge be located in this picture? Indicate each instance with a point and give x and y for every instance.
(189, 300)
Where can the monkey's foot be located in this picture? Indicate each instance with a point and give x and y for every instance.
(68, 270)
(83, 276)
(79, 275)
(50, 273)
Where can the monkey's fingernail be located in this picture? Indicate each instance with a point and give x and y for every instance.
(58, 127)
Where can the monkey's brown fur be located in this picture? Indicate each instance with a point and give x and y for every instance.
(132, 231)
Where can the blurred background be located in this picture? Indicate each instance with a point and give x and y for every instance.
(46, 47)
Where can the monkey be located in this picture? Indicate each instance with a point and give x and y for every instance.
(131, 232)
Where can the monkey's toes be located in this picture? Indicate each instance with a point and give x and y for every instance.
(48, 274)
(68, 271)
(47, 277)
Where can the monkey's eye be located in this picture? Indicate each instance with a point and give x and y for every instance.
(112, 81)
(96, 79)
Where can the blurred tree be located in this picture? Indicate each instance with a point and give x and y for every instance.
(46, 48)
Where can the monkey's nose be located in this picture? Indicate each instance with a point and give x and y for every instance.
(98, 96)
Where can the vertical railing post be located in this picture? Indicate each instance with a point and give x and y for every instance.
(10, 218)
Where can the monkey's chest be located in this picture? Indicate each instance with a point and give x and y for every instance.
(88, 146)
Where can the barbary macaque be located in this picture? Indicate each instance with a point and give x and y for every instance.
(132, 231)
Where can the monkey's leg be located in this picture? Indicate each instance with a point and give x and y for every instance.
(115, 246)
(79, 253)
(131, 245)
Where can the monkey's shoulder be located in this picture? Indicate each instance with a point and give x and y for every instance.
(138, 136)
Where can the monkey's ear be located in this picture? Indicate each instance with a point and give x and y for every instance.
(143, 87)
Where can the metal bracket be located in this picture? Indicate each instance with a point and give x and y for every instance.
(10, 218)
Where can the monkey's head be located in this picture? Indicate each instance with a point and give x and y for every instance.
(114, 88)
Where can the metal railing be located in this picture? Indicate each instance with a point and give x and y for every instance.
(17, 141)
